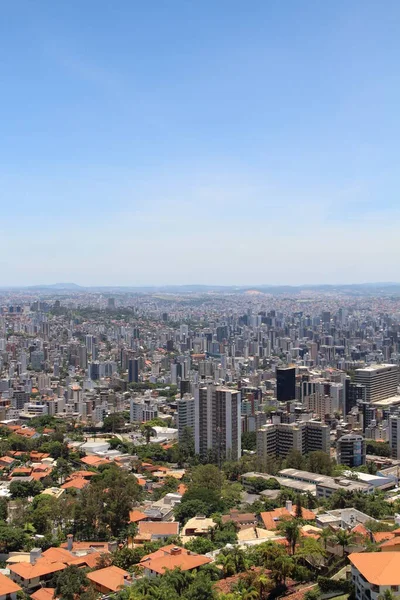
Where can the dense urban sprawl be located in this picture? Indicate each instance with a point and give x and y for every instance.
(201, 444)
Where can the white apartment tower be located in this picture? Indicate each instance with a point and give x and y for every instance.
(218, 421)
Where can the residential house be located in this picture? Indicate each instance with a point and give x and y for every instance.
(156, 530)
(8, 588)
(241, 520)
(272, 518)
(110, 579)
(169, 558)
(375, 572)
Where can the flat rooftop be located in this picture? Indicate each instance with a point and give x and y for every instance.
(375, 368)
(392, 401)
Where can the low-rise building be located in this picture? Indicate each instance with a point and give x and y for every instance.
(375, 572)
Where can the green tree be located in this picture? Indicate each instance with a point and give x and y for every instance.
(114, 422)
(24, 489)
(207, 476)
(70, 583)
(344, 538)
(249, 440)
(291, 530)
(12, 539)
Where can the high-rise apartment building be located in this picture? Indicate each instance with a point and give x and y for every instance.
(133, 370)
(285, 383)
(351, 450)
(394, 435)
(380, 381)
(278, 439)
(185, 415)
(142, 410)
(354, 393)
(218, 421)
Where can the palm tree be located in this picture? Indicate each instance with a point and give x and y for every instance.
(387, 595)
(291, 531)
(325, 536)
(263, 584)
(344, 538)
(283, 567)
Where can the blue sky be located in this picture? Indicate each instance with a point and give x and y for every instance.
(215, 141)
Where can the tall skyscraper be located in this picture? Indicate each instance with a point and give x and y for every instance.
(394, 435)
(185, 416)
(285, 383)
(218, 421)
(380, 381)
(133, 370)
(354, 393)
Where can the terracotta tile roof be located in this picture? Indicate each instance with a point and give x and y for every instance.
(379, 568)
(136, 515)
(111, 578)
(89, 560)
(272, 517)
(38, 455)
(21, 471)
(77, 483)
(163, 551)
(381, 536)
(7, 459)
(7, 586)
(361, 531)
(182, 560)
(41, 568)
(159, 527)
(57, 555)
(182, 489)
(83, 474)
(395, 541)
(44, 594)
(94, 461)
(99, 546)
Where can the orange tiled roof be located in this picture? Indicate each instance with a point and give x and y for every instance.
(78, 483)
(94, 461)
(7, 586)
(136, 515)
(99, 546)
(111, 578)
(381, 536)
(44, 594)
(378, 568)
(183, 561)
(395, 541)
(41, 568)
(57, 555)
(7, 459)
(83, 474)
(271, 518)
(159, 527)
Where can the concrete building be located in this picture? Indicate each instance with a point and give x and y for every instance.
(380, 381)
(185, 415)
(142, 410)
(218, 421)
(394, 435)
(373, 573)
(278, 439)
(351, 450)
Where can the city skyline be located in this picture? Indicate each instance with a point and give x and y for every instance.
(202, 143)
